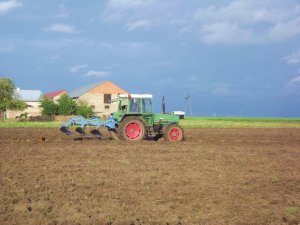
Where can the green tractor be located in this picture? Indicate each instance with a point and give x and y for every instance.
(133, 121)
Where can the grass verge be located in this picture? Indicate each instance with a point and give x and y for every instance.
(238, 122)
(16, 124)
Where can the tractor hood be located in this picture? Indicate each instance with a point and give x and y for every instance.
(166, 118)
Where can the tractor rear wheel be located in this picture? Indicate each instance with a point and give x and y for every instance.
(173, 133)
(132, 128)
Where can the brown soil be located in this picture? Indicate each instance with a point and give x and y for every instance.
(216, 176)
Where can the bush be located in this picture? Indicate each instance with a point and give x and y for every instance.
(49, 107)
(84, 109)
(66, 106)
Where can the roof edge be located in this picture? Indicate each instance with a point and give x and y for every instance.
(94, 85)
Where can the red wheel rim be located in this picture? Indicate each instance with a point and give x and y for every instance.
(133, 131)
(174, 134)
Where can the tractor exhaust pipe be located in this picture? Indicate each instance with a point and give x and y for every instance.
(163, 103)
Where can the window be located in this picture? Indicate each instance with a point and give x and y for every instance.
(147, 106)
(107, 98)
(106, 107)
(135, 105)
(93, 106)
(123, 105)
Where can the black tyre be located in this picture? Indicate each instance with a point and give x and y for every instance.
(174, 133)
(132, 128)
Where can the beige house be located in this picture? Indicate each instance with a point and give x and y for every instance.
(32, 99)
(98, 95)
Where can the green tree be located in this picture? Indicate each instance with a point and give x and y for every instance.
(49, 107)
(66, 106)
(8, 97)
(84, 109)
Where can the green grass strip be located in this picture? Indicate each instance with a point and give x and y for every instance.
(17, 124)
(190, 122)
(238, 122)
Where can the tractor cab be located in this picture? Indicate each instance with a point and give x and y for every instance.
(140, 105)
(134, 103)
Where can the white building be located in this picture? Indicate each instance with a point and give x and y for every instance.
(32, 99)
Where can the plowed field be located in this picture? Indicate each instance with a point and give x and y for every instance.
(216, 176)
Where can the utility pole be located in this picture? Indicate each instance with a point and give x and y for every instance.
(188, 104)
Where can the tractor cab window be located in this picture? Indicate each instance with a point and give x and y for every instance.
(135, 105)
(147, 106)
(123, 105)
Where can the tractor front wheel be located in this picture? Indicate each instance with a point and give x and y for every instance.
(132, 128)
(173, 133)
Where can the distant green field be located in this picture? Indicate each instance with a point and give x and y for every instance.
(239, 122)
(191, 122)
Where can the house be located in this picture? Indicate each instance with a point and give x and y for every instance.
(98, 95)
(55, 95)
(32, 99)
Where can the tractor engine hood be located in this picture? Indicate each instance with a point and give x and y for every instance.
(166, 118)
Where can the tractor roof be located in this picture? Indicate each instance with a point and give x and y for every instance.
(135, 96)
(122, 96)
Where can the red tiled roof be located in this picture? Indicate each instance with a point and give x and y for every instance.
(54, 93)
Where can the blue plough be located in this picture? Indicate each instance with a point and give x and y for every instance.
(110, 123)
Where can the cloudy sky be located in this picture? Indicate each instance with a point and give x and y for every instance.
(234, 57)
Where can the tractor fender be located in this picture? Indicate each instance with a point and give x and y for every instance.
(164, 128)
(131, 114)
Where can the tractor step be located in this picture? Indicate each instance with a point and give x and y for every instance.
(66, 130)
